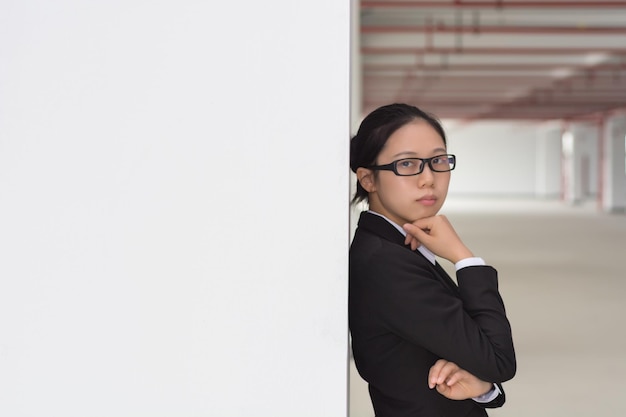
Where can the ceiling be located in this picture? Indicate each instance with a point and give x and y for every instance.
(499, 59)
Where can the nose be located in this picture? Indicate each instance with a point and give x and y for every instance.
(426, 178)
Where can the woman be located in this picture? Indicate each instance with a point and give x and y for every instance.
(426, 346)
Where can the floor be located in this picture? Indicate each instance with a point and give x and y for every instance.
(563, 283)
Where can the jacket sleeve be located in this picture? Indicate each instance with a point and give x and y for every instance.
(496, 402)
(470, 328)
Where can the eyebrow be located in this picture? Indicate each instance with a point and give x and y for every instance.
(411, 153)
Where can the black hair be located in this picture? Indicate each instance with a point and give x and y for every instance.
(374, 131)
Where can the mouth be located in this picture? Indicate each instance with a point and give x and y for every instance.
(428, 200)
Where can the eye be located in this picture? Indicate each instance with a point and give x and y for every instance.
(406, 163)
(442, 160)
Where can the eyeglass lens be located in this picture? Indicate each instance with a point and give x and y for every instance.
(412, 166)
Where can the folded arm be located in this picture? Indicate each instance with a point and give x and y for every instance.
(455, 383)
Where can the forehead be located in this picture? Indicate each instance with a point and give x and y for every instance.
(417, 137)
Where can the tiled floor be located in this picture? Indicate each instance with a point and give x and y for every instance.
(563, 282)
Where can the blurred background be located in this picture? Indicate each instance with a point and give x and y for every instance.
(533, 98)
(539, 87)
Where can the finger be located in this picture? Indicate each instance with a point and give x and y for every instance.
(446, 372)
(425, 223)
(415, 231)
(433, 373)
(414, 243)
(440, 371)
(456, 377)
(411, 241)
(442, 389)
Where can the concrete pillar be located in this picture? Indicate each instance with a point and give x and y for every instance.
(173, 208)
(579, 158)
(548, 163)
(613, 165)
(572, 186)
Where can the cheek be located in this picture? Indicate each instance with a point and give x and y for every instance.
(385, 187)
(445, 180)
(390, 184)
(398, 190)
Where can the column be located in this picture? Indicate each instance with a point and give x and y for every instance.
(548, 165)
(580, 159)
(174, 208)
(613, 166)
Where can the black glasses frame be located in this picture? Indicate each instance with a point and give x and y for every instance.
(392, 166)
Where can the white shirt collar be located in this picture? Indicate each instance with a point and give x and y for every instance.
(423, 250)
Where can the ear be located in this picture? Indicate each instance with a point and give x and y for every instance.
(366, 179)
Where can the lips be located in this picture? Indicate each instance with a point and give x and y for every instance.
(428, 200)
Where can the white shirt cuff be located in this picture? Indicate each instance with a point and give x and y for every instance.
(469, 262)
(490, 396)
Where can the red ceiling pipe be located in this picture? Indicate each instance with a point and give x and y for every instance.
(453, 74)
(505, 91)
(530, 30)
(468, 117)
(504, 77)
(369, 50)
(497, 94)
(486, 67)
(596, 116)
(463, 99)
(565, 105)
(497, 4)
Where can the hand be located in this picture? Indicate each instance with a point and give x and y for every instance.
(412, 240)
(455, 383)
(438, 235)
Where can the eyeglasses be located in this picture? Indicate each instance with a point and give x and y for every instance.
(413, 166)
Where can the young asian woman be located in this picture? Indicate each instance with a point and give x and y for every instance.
(426, 346)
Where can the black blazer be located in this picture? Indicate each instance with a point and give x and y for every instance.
(406, 313)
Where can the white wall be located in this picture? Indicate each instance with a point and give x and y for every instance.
(494, 158)
(173, 208)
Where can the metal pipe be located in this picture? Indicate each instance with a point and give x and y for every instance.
(530, 30)
(501, 91)
(452, 103)
(505, 77)
(495, 4)
(369, 50)
(487, 67)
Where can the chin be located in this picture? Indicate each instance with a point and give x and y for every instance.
(424, 214)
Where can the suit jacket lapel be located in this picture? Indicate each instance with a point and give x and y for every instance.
(441, 275)
(381, 227)
(445, 278)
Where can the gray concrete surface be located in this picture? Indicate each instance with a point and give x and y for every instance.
(562, 278)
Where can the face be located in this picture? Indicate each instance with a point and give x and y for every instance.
(406, 199)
